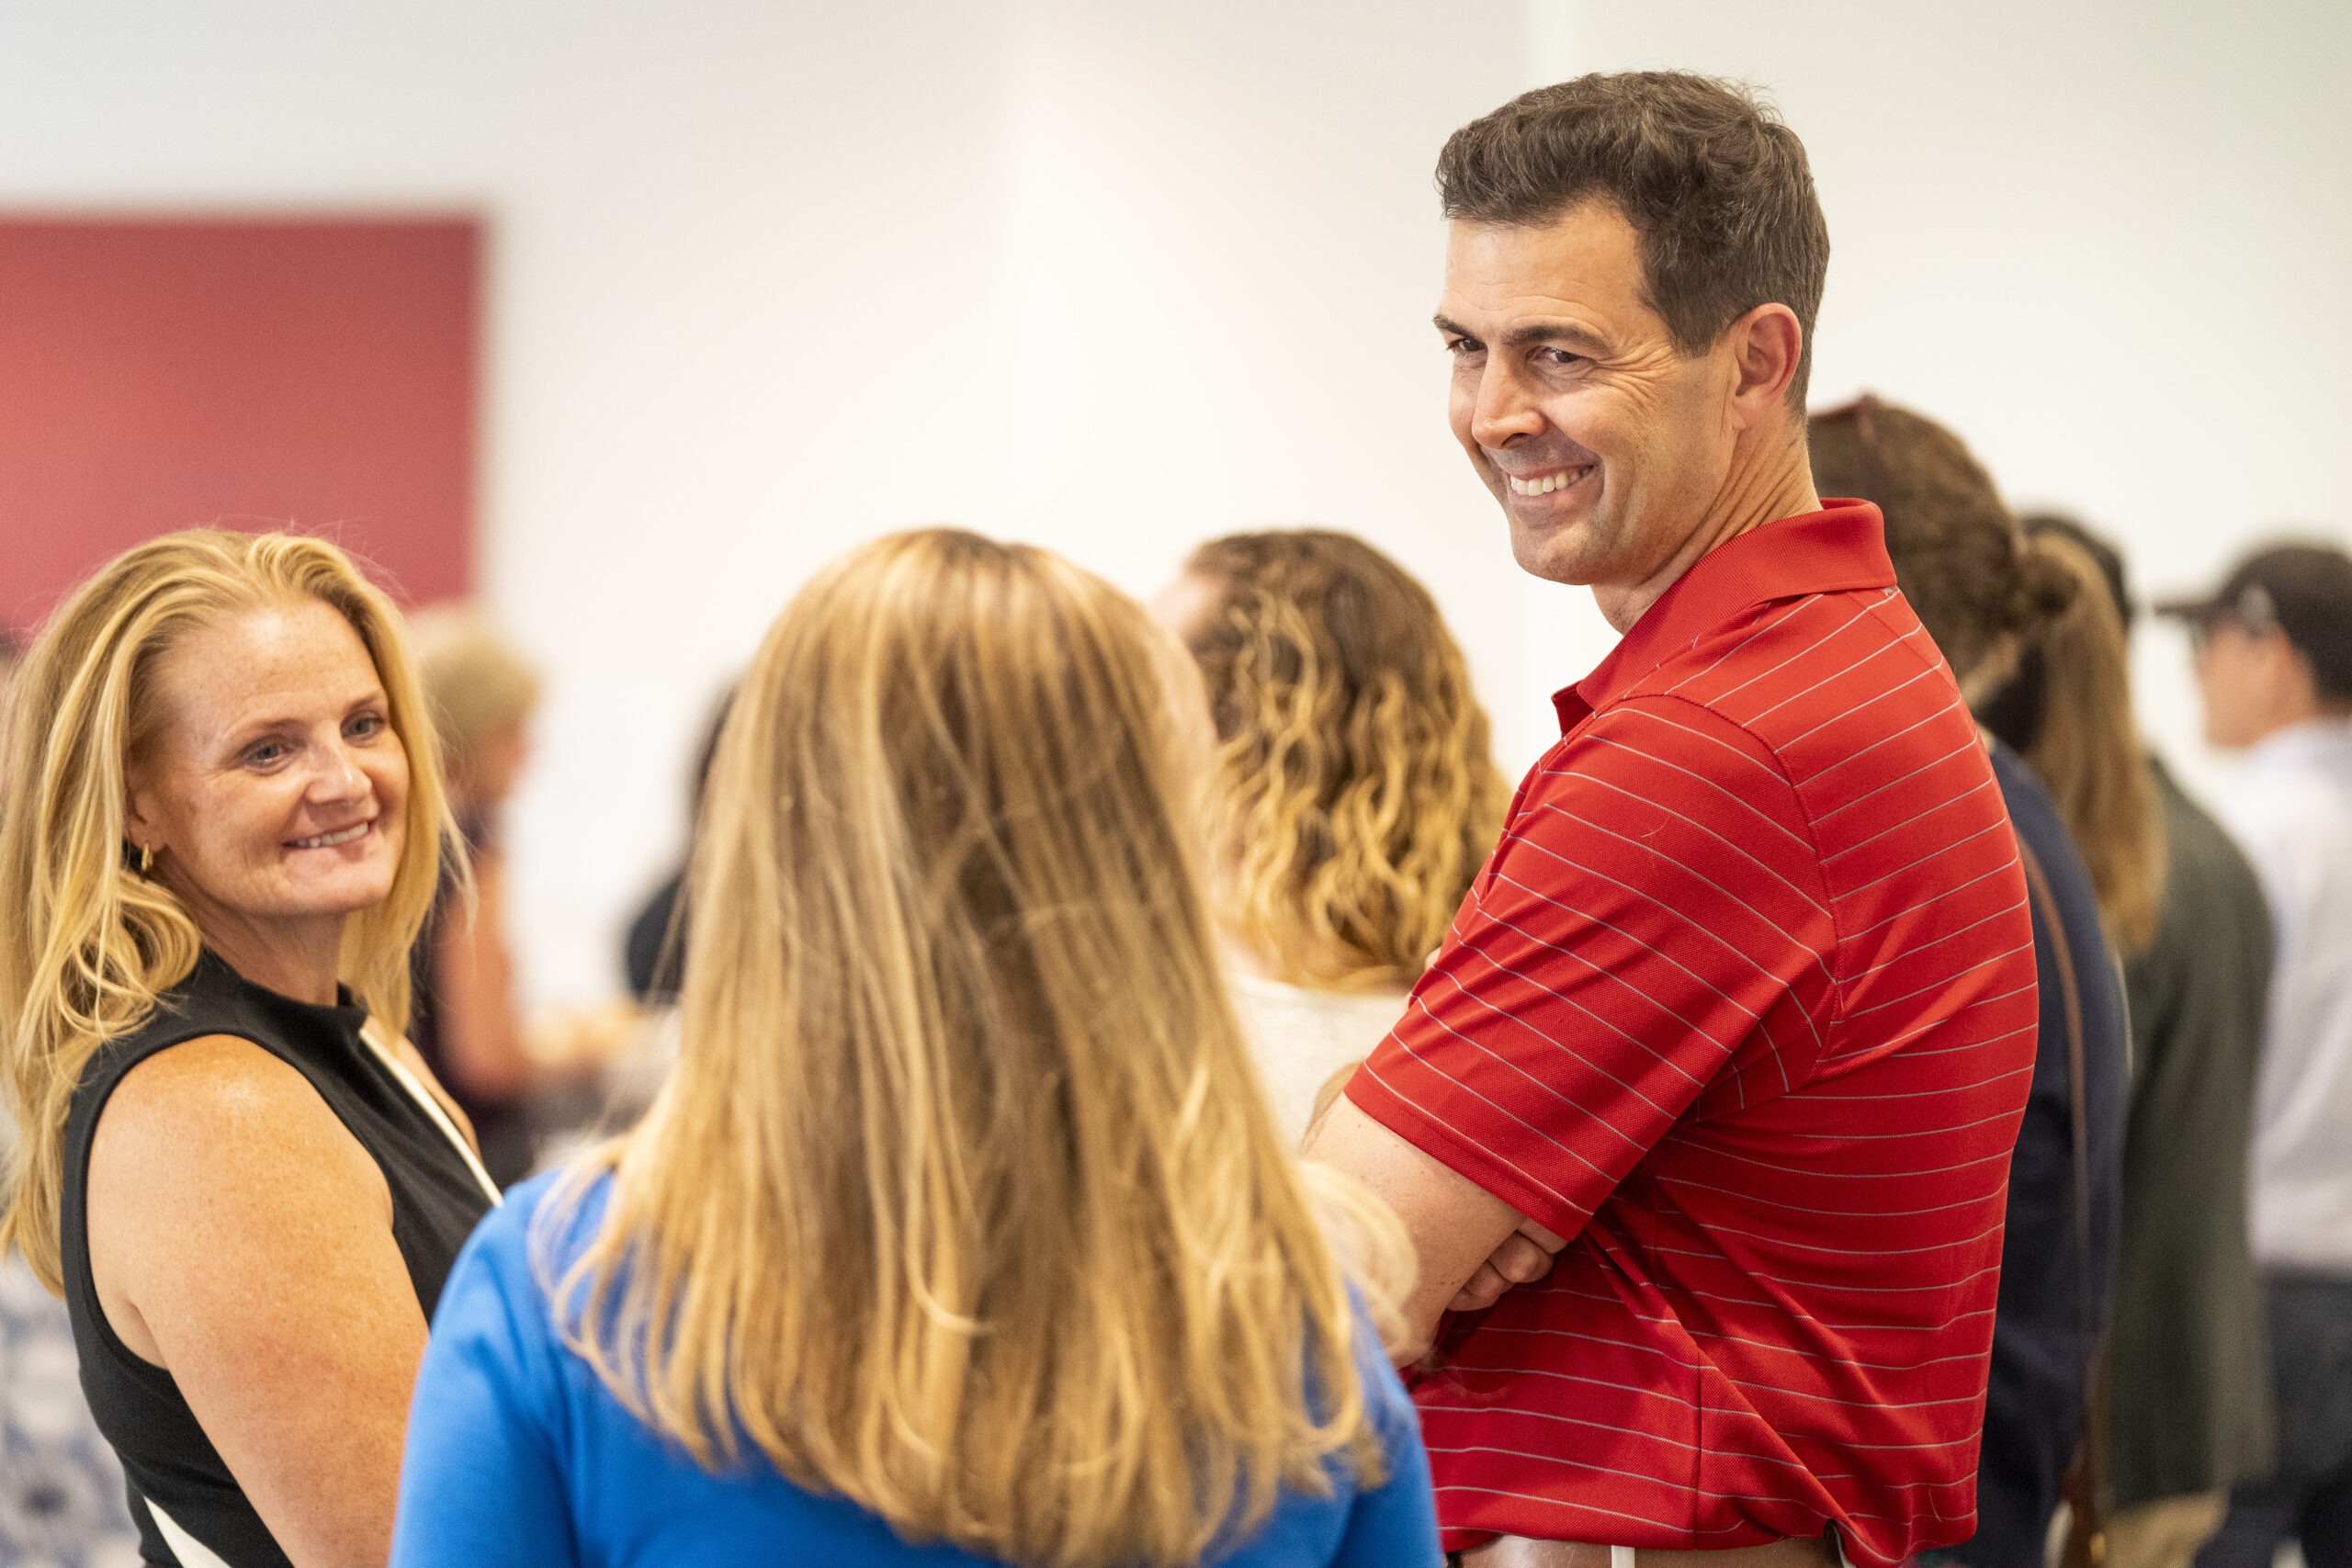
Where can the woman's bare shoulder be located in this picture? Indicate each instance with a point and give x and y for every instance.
(222, 1107)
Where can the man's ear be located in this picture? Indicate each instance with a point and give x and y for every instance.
(1767, 346)
(2291, 667)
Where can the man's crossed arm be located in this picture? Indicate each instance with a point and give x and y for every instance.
(1472, 1245)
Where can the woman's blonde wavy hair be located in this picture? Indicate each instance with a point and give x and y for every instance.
(963, 1203)
(89, 943)
(1355, 795)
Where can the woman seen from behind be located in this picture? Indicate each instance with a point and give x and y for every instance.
(1354, 794)
(960, 1233)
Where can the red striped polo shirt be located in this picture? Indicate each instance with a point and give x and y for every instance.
(1744, 1006)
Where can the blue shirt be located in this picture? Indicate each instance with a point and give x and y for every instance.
(519, 1455)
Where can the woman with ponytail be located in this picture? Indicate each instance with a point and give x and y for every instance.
(2189, 1407)
(2067, 711)
(1983, 593)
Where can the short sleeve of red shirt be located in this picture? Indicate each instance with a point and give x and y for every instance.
(1656, 907)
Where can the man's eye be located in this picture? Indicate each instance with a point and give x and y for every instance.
(1463, 347)
(1558, 357)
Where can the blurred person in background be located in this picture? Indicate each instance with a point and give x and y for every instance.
(465, 1017)
(654, 958)
(1355, 793)
(225, 826)
(2186, 1390)
(2083, 742)
(2274, 667)
(61, 1487)
(962, 1233)
(654, 953)
(1967, 571)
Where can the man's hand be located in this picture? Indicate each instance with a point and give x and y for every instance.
(1524, 1257)
(1456, 1225)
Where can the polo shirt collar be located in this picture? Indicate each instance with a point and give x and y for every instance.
(1838, 550)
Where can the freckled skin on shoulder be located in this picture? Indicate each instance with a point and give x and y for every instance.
(241, 1239)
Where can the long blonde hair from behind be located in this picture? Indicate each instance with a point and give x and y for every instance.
(89, 943)
(963, 1203)
(2088, 750)
(1356, 793)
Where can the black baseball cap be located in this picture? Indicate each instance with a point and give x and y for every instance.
(2305, 591)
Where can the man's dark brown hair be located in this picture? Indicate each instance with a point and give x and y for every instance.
(1717, 189)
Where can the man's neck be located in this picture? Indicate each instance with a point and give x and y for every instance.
(2275, 712)
(1763, 486)
(2302, 718)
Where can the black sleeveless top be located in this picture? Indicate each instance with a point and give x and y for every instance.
(436, 1199)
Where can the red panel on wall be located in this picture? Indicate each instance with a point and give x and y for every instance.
(317, 374)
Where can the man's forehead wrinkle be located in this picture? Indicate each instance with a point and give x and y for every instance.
(1589, 248)
(1561, 294)
(1542, 331)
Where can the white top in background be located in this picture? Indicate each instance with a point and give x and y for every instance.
(2289, 805)
(1301, 1037)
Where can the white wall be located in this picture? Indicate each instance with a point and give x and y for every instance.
(2106, 241)
(771, 276)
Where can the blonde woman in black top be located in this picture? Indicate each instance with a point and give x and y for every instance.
(225, 828)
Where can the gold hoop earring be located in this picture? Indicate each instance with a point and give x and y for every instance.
(146, 860)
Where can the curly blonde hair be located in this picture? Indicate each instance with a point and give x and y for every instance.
(1355, 795)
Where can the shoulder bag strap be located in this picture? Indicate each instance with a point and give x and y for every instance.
(2086, 1538)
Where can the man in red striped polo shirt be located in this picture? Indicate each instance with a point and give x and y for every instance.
(1743, 1007)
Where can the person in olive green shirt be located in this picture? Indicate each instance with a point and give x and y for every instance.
(2191, 1408)
(2187, 1380)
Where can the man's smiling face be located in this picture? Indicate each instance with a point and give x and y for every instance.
(1605, 445)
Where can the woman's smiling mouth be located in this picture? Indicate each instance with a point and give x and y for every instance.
(341, 836)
